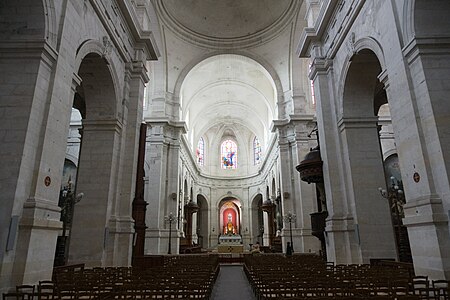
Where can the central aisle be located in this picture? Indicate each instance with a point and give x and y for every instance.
(232, 284)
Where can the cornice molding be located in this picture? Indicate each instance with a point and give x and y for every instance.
(319, 35)
(292, 119)
(426, 46)
(181, 125)
(141, 37)
(310, 35)
(34, 49)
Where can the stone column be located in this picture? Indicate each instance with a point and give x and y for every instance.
(215, 229)
(163, 157)
(121, 223)
(190, 209)
(297, 196)
(33, 130)
(421, 122)
(246, 226)
(363, 163)
(287, 188)
(266, 234)
(97, 179)
(301, 146)
(269, 208)
(339, 229)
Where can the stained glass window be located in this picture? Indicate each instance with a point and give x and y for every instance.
(201, 152)
(256, 151)
(313, 96)
(228, 152)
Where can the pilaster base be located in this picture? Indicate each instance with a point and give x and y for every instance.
(157, 241)
(303, 240)
(36, 242)
(341, 240)
(119, 248)
(428, 236)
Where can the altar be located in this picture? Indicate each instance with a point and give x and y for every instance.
(230, 248)
(230, 239)
(230, 244)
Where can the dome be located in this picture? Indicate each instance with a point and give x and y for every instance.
(226, 19)
(227, 23)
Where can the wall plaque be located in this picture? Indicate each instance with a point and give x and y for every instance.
(47, 181)
(416, 177)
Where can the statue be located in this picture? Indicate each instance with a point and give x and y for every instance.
(230, 227)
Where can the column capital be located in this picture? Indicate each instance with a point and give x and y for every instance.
(29, 49)
(364, 122)
(166, 130)
(295, 128)
(420, 46)
(102, 125)
(320, 66)
(137, 70)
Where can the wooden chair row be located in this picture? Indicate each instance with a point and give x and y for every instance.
(301, 278)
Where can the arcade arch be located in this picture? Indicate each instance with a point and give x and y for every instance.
(230, 216)
(96, 98)
(363, 95)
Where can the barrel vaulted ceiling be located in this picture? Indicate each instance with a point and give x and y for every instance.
(228, 62)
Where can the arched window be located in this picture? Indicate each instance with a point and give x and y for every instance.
(256, 151)
(201, 152)
(228, 152)
(313, 96)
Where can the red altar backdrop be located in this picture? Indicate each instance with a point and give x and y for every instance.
(225, 217)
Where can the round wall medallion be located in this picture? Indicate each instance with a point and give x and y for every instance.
(416, 177)
(47, 181)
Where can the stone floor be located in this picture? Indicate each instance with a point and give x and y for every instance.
(232, 284)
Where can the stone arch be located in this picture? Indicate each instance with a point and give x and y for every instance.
(98, 86)
(51, 33)
(90, 48)
(232, 204)
(408, 21)
(362, 50)
(362, 157)
(274, 75)
(203, 220)
(256, 218)
(39, 25)
(430, 18)
(359, 85)
(99, 156)
(425, 19)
